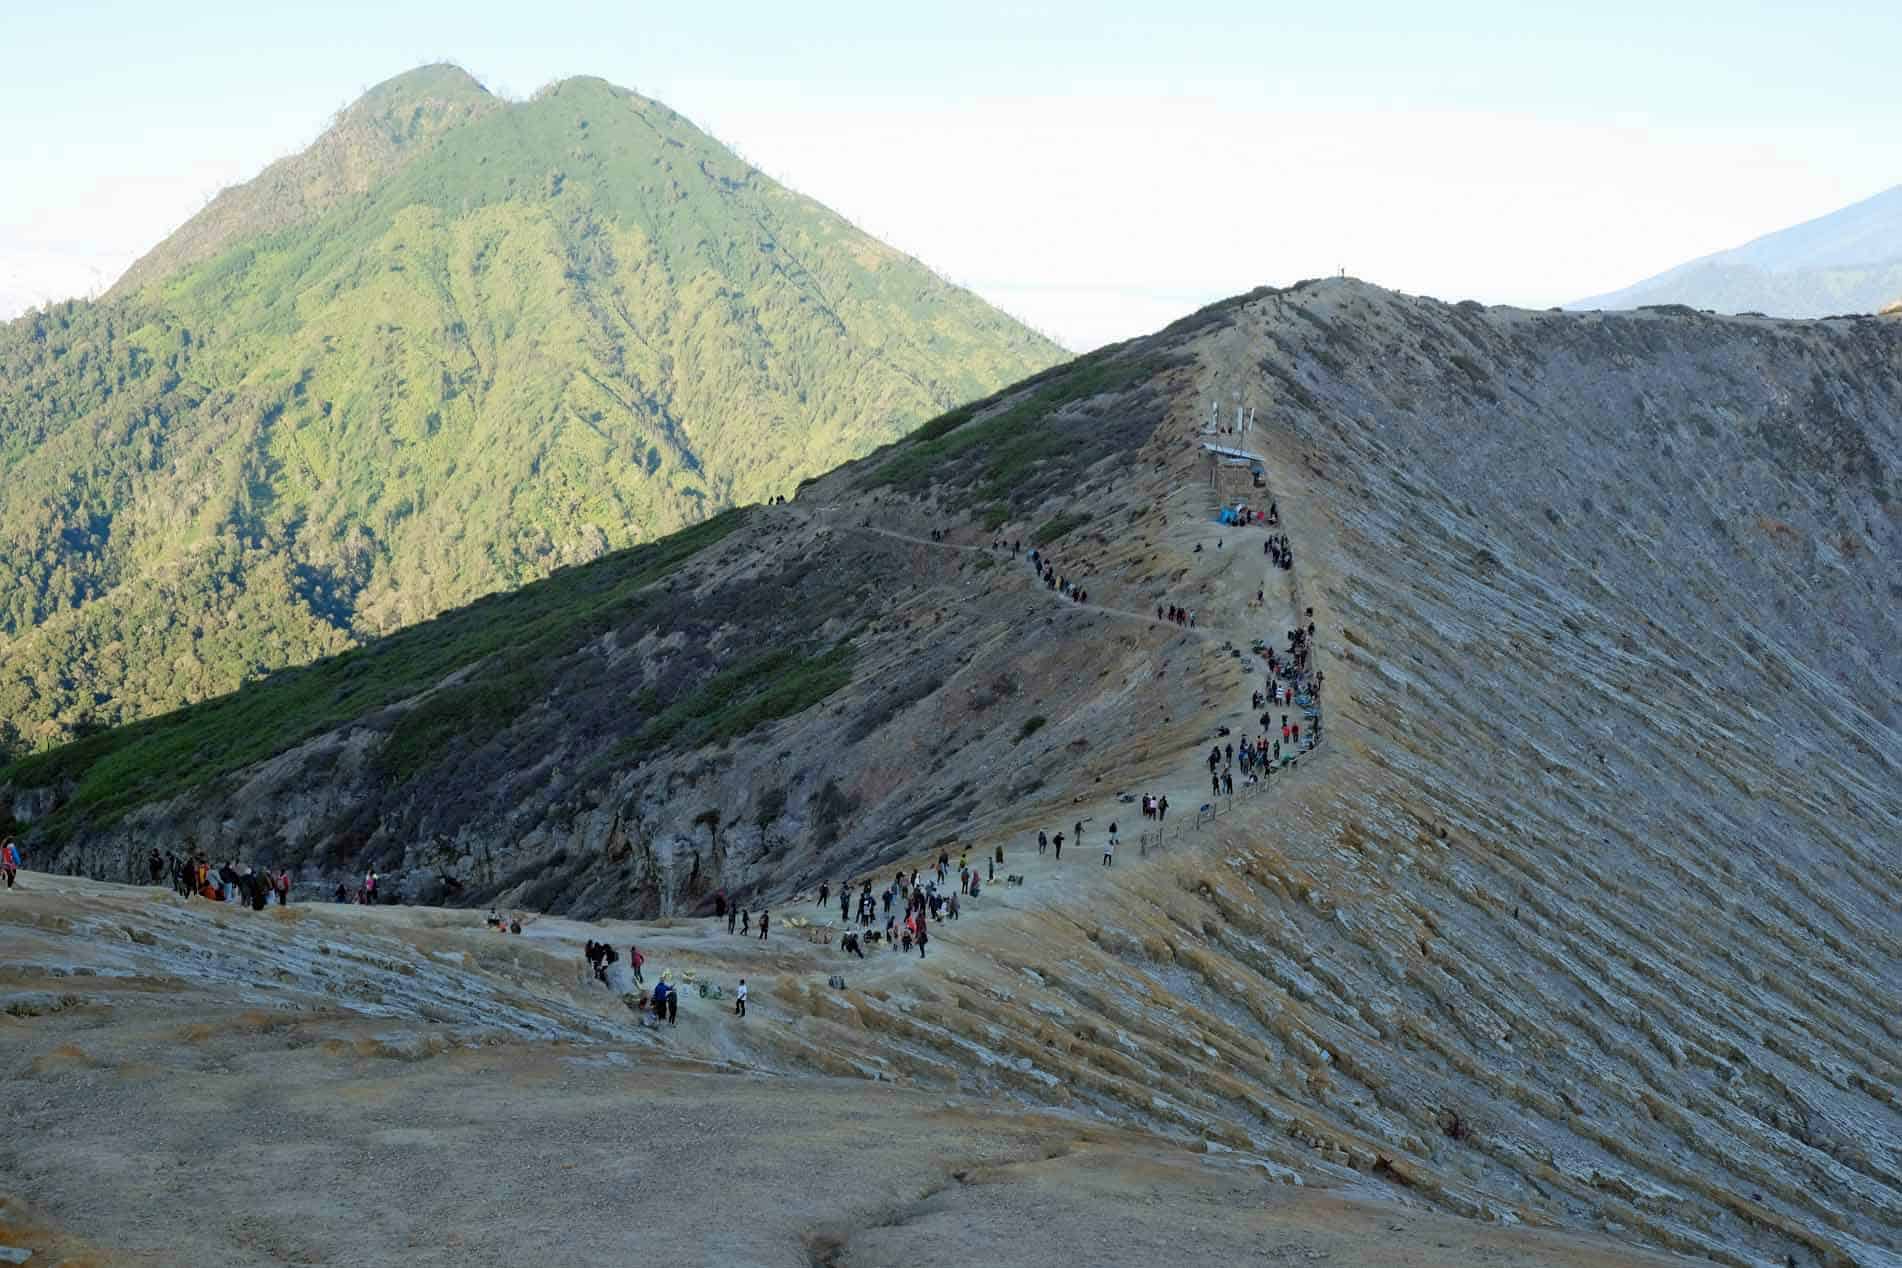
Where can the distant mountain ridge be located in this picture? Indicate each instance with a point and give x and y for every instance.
(1847, 261)
(454, 345)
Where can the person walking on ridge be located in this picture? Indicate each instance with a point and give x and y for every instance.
(739, 999)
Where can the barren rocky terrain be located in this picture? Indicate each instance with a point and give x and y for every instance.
(1580, 924)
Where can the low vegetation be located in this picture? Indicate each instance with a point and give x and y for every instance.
(774, 685)
(1057, 526)
(997, 451)
(514, 637)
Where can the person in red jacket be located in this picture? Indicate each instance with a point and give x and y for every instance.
(9, 860)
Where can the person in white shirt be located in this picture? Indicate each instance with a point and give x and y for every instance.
(739, 999)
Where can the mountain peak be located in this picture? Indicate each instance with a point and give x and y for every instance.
(381, 131)
(437, 80)
(1847, 261)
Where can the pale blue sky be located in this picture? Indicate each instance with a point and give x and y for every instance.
(1094, 168)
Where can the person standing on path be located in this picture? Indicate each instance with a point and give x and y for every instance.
(9, 860)
(1043, 842)
(732, 918)
(1162, 809)
(746, 923)
(1109, 846)
(739, 999)
(634, 961)
(922, 938)
(762, 924)
(1057, 842)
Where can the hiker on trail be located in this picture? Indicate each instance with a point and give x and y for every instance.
(922, 938)
(1215, 783)
(845, 901)
(9, 860)
(342, 895)
(666, 1000)
(732, 918)
(850, 943)
(762, 924)
(951, 908)
(822, 893)
(1109, 846)
(155, 865)
(284, 887)
(1162, 808)
(1228, 782)
(991, 871)
(369, 887)
(1057, 841)
(1215, 758)
(745, 926)
(634, 960)
(1043, 842)
(739, 999)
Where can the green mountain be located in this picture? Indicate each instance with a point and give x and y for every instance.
(455, 345)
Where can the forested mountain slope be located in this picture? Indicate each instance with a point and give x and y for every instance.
(1581, 916)
(457, 344)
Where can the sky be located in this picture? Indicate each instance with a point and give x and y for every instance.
(1095, 169)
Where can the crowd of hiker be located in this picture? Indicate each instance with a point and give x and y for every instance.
(193, 876)
(900, 913)
(1047, 572)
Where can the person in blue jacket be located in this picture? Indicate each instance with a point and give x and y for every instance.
(666, 1000)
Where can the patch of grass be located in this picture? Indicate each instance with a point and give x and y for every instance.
(1057, 526)
(1014, 438)
(996, 516)
(518, 636)
(775, 685)
(1032, 725)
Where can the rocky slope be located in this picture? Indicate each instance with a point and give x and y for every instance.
(455, 345)
(1582, 916)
